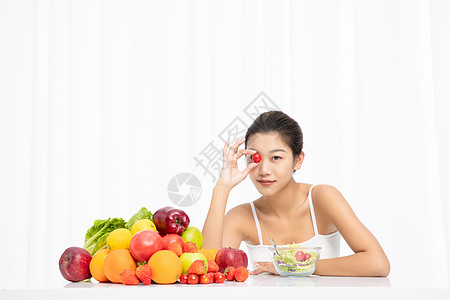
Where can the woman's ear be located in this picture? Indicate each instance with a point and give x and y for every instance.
(299, 160)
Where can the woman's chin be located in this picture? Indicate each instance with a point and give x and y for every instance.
(266, 193)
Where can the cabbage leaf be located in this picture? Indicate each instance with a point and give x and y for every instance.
(143, 213)
(96, 235)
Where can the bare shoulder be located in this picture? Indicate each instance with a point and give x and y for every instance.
(329, 200)
(239, 213)
(324, 189)
(236, 224)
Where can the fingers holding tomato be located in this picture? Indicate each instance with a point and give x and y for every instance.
(256, 158)
(231, 175)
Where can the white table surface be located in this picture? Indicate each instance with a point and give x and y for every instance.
(255, 287)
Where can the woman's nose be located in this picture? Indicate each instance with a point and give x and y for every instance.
(263, 168)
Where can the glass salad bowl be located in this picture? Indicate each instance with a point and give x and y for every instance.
(295, 260)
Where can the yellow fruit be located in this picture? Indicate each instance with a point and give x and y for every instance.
(142, 225)
(166, 267)
(119, 239)
(96, 265)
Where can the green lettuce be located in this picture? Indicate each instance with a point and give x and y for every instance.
(143, 213)
(96, 236)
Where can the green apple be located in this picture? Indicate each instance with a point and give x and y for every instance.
(193, 234)
(188, 258)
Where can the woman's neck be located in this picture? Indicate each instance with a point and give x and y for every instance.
(284, 202)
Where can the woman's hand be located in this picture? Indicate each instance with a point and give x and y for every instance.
(230, 175)
(264, 266)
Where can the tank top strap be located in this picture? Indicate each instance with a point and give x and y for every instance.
(258, 228)
(311, 208)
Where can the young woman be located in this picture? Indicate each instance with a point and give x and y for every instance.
(287, 211)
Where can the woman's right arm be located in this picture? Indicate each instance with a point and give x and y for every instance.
(213, 229)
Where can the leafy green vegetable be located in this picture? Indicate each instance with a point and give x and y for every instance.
(143, 213)
(96, 236)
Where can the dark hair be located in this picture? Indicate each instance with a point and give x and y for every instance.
(276, 121)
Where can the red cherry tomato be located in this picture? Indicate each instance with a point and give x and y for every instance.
(299, 256)
(219, 278)
(184, 278)
(307, 256)
(193, 279)
(205, 279)
(256, 158)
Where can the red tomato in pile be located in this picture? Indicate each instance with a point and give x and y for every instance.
(168, 238)
(219, 278)
(184, 278)
(192, 279)
(205, 279)
(144, 244)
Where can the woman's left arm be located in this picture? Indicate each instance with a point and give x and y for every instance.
(369, 258)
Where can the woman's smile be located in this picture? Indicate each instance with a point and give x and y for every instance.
(266, 182)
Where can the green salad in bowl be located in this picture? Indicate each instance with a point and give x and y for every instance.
(295, 259)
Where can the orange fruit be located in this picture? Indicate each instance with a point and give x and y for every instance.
(206, 253)
(213, 253)
(96, 265)
(166, 267)
(117, 261)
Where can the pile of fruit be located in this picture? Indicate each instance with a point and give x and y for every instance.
(160, 248)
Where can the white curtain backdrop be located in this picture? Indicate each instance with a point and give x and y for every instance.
(102, 103)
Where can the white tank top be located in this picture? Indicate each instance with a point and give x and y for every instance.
(330, 243)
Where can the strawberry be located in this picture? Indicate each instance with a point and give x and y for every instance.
(212, 266)
(190, 247)
(128, 277)
(241, 274)
(175, 247)
(144, 273)
(229, 273)
(197, 267)
(219, 277)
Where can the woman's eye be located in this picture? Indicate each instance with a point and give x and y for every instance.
(277, 157)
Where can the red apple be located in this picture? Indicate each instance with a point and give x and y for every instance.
(74, 264)
(168, 238)
(230, 257)
(170, 220)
